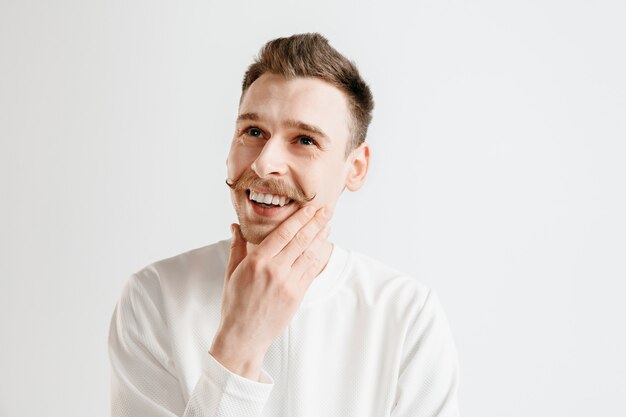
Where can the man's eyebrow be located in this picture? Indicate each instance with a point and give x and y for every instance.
(306, 127)
(248, 116)
(288, 123)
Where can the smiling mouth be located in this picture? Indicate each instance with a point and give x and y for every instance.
(266, 200)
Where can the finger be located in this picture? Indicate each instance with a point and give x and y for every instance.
(303, 238)
(282, 235)
(238, 249)
(309, 263)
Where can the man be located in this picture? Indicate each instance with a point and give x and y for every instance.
(278, 321)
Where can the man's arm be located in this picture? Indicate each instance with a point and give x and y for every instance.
(143, 378)
(428, 382)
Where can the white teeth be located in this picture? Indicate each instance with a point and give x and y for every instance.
(269, 198)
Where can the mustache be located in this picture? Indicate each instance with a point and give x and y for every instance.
(250, 180)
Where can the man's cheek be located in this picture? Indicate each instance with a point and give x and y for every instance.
(234, 168)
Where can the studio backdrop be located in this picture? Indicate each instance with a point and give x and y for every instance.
(497, 178)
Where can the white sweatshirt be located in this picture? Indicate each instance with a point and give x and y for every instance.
(367, 340)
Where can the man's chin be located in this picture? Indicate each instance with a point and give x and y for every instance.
(255, 234)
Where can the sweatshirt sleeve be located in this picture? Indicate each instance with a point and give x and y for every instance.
(144, 380)
(429, 375)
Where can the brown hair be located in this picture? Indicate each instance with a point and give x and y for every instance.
(310, 55)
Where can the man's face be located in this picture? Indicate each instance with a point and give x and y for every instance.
(290, 142)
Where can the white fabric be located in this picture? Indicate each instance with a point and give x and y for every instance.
(366, 341)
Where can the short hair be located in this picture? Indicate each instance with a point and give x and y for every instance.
(310, 55)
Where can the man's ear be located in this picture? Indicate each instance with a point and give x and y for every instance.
(360, 161)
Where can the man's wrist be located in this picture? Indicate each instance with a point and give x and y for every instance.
(245, 364)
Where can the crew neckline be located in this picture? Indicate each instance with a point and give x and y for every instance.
(329, 279)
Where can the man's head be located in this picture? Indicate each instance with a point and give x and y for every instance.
(303, 118)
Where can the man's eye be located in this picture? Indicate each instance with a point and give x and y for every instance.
(305, 140)
(254, 131)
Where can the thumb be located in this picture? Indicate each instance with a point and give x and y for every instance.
(238, 249)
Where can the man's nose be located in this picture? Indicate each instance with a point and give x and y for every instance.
(272, 160)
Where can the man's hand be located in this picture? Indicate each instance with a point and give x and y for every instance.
(264, 288)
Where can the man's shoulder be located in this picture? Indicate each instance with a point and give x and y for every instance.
(153, 295)
(377, 279)
(191, 265)
(201, 257)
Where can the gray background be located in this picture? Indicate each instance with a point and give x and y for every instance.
(497, 178)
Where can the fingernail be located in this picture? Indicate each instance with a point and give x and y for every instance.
(309, 210)
(326, 212)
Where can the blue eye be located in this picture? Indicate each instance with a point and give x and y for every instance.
(305, 140)
(255, 132)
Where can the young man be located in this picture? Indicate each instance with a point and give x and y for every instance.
(278, 321)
